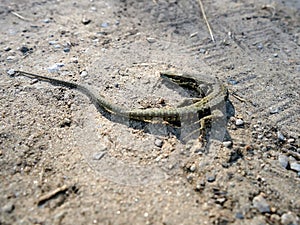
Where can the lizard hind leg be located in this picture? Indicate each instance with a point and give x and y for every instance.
(198, 128)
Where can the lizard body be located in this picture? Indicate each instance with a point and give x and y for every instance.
(214, 93)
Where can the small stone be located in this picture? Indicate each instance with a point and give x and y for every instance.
(47, 20)
(83, 73)
(75, 60)
(10, 58)
(151, 40)
(274, 111)
(239, 215)
(11, 72)
(202, 50)
(190, 178)
(193, 168)
(239, 122)
(54, 68)
(158, 143)
(210, 177)
(275, 55)
(295, 166)
(289, 219)
(66, 49)
(200, 185)
(291, 140)
(280, 136)
(104, 24)
(232, 81)
(221, 200)
(260, 136)
(85, 21)
(52, 42)
(8, 208)
(57, 46)
(283, 160)
(227, 144)
(99, 155)
(24, 49)
(260, 46)
(66, 122)
(261, 204)
(7, 49)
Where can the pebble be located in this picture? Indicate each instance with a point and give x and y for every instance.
(199, 186)
(283, 160)
(10, 58)
(8, 208)
(260, 136)
(280, 136)
(202, 50)
(11, 72)
(7, 49)
(24, 49)
(158, 143)
(193, 168)
(260, 46)
(75, 60)
(57, 46)
(261, 204)
(274, 111)
(99, 155)
(83, 73)
(291, 140)
(104, 24)
(227, 144)
(190, 178)
(289, 219)
(85, 21)
(54, 68)
(66, 49)
(295, 166)
(232, 81)
(239, 215)
(52, 42)
(210, 177)
(239, 122)
(151, 40)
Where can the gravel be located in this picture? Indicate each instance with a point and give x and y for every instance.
(239, 122)
(261, 204)
(295, 166)
(283, 160)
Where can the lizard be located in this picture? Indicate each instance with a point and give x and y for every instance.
(214, 94)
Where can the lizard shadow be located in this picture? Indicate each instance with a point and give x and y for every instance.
(184, 130)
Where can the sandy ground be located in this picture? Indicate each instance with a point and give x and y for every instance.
(63, 162)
